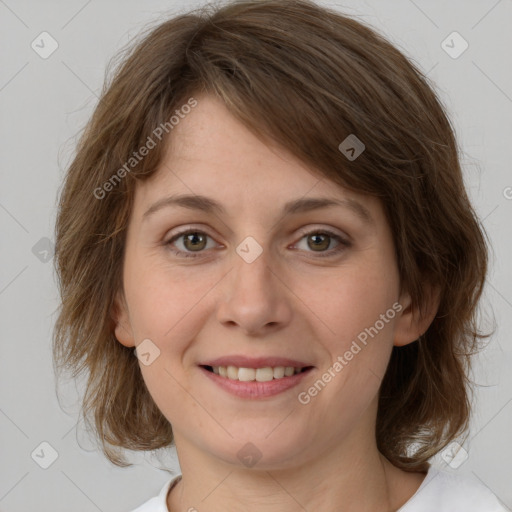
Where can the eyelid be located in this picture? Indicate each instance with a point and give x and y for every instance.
(302, 231)
(343, 240)
(322, 229)
(185, 231)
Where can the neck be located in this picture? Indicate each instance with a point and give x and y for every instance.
(348, 478)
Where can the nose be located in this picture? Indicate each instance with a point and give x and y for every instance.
(254, 298)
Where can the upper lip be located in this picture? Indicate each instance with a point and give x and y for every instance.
(254, 362)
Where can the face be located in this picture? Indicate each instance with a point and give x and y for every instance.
(252, 279)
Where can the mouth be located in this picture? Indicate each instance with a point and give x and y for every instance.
(255, 383)
(264, 374)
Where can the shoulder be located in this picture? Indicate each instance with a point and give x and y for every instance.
(449, 492)
(158, 503)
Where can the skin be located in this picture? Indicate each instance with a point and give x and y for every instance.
(290, 302)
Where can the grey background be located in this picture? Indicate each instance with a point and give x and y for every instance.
(45, 102)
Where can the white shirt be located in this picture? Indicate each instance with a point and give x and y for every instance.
(440, 491)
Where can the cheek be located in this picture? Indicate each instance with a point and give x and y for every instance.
(165, 300)
(356, 307)
(350, 300)
(360, 317)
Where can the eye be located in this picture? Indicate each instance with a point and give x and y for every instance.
(193, 241)
(320, 239)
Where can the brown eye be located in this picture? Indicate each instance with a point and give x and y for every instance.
(194, 241)
(191, 241)
(319, 241)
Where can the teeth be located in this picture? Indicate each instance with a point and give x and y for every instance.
(232, 372)
(279, 372)
(288, 371)
(258, 374)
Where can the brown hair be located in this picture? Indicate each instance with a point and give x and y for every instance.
(306, 77)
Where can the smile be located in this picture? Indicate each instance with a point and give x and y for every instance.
(255, 374)
(255, 382)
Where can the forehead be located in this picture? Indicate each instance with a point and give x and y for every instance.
(211, 153)
(212, 142)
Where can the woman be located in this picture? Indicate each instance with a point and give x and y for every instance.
(268, 210)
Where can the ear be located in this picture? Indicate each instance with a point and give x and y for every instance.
(411, 325)
(121, 319)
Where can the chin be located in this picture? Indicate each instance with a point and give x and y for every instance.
(253, 451)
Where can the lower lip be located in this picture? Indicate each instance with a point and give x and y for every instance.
(255, 389)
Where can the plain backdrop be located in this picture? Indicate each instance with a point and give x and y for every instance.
(44, 104)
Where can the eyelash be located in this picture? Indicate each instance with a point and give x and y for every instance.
(343, 243)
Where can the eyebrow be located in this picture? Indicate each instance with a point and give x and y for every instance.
(210, 206)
